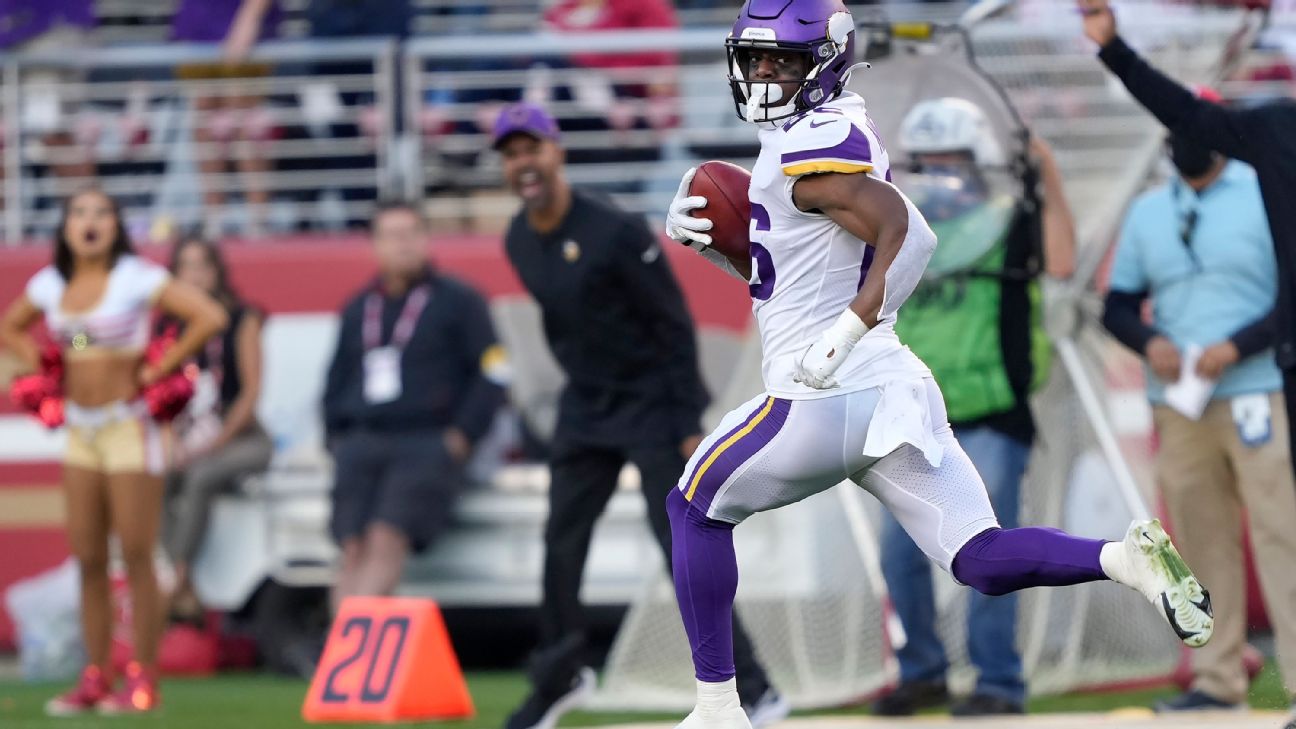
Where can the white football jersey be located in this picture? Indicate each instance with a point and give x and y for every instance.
(806, 269)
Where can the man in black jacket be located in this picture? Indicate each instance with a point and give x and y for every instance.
(415, 380)
(616, 322)
(1263, 136)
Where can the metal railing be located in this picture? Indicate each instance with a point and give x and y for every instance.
(344, 122)
(302, 134)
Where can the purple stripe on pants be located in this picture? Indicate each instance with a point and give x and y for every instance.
(692, 473)
(764, 427)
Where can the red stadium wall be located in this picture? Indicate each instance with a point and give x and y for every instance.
(285, 276)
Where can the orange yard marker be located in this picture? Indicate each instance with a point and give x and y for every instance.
(388, 659)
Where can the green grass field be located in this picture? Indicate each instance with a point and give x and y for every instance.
(250, 701)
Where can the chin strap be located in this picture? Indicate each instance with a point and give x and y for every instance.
(846, 76)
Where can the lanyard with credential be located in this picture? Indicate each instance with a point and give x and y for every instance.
(404, 329)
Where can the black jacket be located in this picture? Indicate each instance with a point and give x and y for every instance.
(616, 322)
(448, 370)
(1263, 136)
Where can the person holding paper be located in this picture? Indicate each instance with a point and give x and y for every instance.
(1200, 248)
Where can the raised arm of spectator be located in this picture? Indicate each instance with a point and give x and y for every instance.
(649, 283)
(246, 29)
(487, 365)
(1059, 224)
(1243, 134)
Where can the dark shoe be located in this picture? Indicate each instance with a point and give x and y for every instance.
(911, 697)
(543, 708)
(983, 705)
(1195, 701)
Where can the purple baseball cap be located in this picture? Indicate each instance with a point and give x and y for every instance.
(524, 118)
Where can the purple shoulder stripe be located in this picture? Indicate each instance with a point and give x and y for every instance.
(855, 147)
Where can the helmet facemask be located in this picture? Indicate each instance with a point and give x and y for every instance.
(769, 100)
(827, 62)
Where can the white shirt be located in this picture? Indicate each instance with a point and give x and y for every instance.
(121, 318)
(806, 269)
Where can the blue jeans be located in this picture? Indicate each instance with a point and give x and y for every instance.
(992, 621)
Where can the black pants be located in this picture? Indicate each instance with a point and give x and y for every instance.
(583, 479)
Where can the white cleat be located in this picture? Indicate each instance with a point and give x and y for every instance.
(1148, 561)
(732, 718)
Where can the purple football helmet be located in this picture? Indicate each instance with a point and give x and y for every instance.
(823, 31)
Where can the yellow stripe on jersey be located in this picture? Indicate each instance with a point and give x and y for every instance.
(824, 165)
(697, 477)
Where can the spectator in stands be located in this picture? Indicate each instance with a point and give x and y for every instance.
(230, 124)
(97, 298)
(1200, 248)
(218, 441)
(617, 324)
(355, 19)
(976, 321)
(617, 92)
(50, 25)
(415, 381)
(359, 18)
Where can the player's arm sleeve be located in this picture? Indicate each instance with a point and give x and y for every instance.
(341, 371)
(650, 284)
(825, 141)
(1123, 307)
(486, 366)
(1245, 134)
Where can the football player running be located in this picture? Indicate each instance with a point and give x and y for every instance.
(836, 249)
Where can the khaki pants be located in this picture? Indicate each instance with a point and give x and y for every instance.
(1208, 477)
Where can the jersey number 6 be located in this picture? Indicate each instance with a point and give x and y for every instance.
(761, 285)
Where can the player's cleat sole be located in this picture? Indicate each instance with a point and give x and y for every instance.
(1165, 579)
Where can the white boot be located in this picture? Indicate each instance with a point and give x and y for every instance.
(1149, 562)
(718, 707)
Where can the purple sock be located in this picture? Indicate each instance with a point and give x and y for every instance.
(705, 568)
(999, 561)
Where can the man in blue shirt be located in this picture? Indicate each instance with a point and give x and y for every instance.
(1200, 248)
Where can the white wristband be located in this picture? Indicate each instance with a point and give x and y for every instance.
(847, 330)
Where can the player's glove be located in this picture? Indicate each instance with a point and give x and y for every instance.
(816, 366)
(682, 227)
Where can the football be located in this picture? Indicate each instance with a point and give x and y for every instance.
(724, 185)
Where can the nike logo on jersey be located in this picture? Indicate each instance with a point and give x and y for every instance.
(816, 126)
